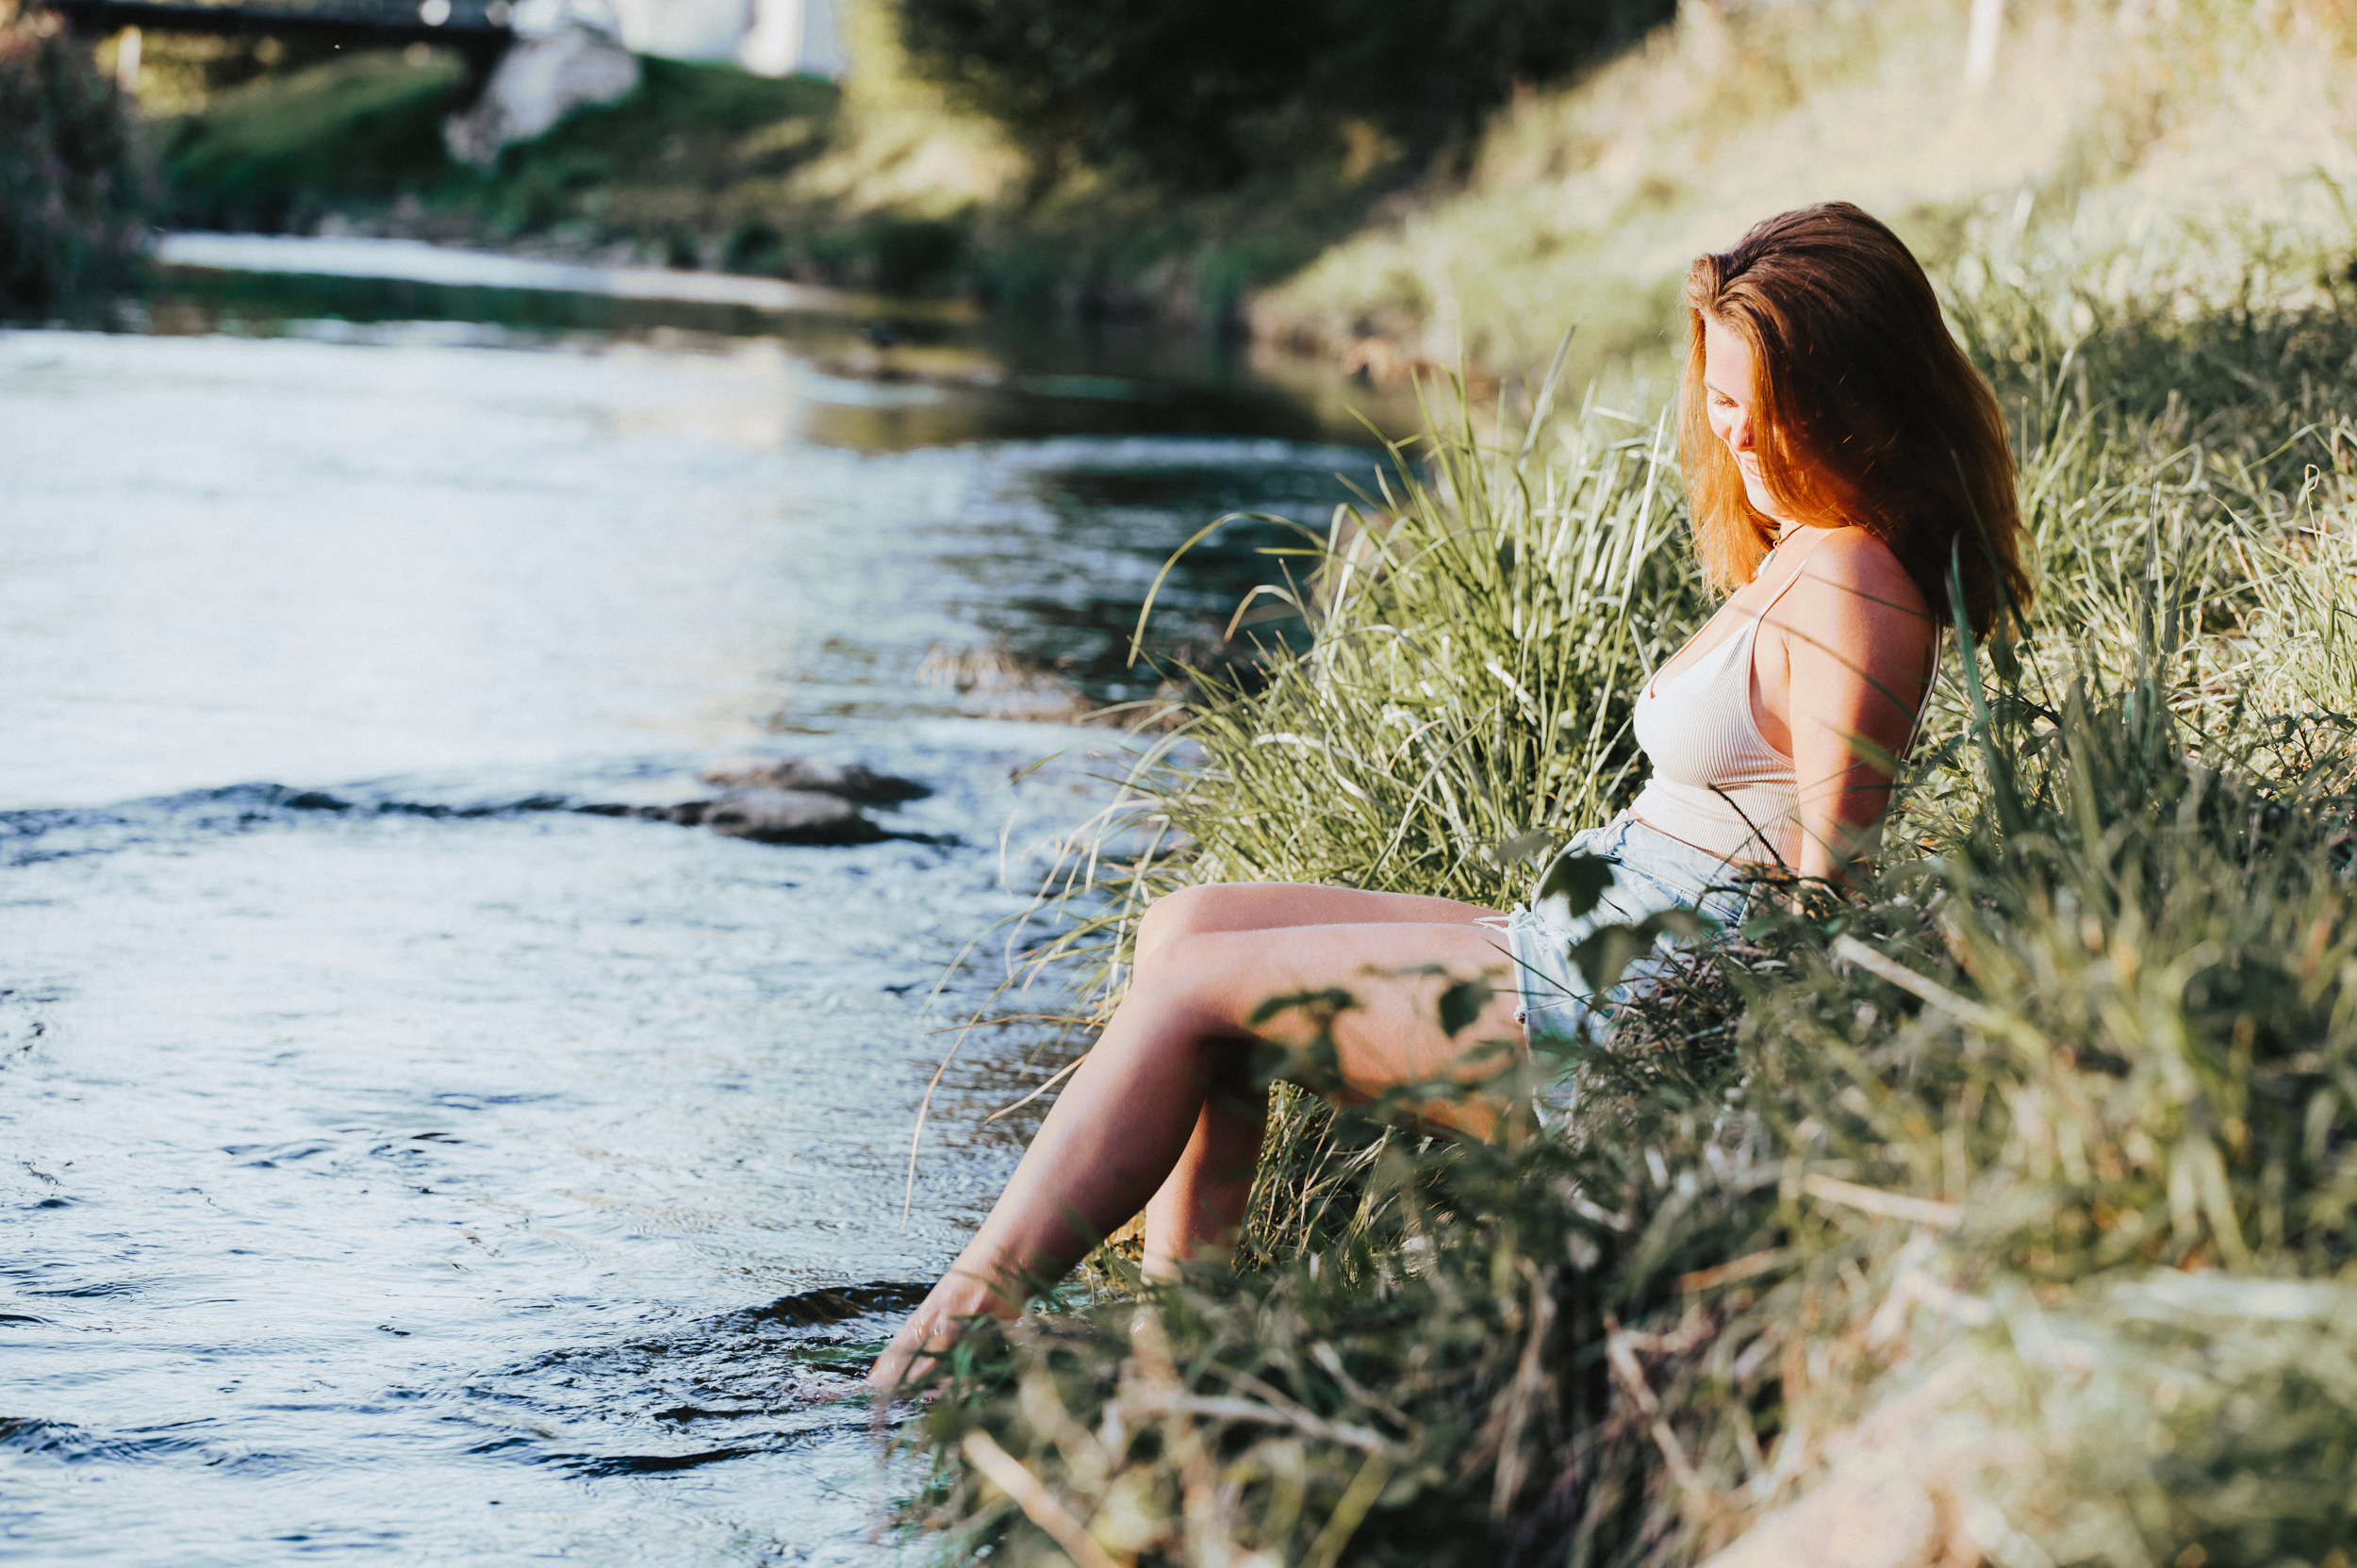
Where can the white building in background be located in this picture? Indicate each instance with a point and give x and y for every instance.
(774, 38)
(789, 36)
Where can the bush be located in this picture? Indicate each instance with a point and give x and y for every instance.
(74, 183)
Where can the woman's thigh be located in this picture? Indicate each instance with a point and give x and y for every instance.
(1376, 988)
(1229, 906)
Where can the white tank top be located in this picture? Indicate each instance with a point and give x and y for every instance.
(1717, 783)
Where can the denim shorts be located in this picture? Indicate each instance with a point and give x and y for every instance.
(1561, 1016)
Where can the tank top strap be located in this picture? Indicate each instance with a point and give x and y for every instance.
(1777, 597)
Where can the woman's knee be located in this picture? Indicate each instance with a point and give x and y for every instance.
(1184, 913)
(1187, 989)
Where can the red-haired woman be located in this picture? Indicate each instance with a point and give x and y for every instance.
(1840, 452)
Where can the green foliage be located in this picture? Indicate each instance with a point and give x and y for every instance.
(364, 127)
(359, 131)
(75, 184)
(692, 169)
(2019, 1188)
(888, 185)
(891, 253)
(659, 158)
(181, 74)
(1198, 95)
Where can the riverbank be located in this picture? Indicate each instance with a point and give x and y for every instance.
(2117, 126)
(2001, 1217)
(879, 186)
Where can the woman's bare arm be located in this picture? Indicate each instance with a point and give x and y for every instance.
(1856, 639)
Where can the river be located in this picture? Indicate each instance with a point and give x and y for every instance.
(397, 1161)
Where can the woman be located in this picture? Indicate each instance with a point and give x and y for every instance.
(1840, 452)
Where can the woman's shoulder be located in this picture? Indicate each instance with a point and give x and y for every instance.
(1852, 561)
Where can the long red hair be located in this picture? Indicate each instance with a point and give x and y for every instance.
(1868, 413)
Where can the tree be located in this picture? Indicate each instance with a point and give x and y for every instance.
(1199, 93)
(74, 183)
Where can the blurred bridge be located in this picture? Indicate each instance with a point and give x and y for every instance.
(478, 29)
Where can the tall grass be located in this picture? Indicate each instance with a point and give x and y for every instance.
(1482, 631)
(2002, 1212)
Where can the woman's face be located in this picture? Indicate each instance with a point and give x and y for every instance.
(1731, 394)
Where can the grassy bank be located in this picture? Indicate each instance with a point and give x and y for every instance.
(2098, 121)
(2003, 1215)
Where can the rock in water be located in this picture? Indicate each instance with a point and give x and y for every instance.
(789, 816)
(791, 800)
(855, 782)
(537, 82)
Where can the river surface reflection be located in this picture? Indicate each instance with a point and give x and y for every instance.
(394, 1160)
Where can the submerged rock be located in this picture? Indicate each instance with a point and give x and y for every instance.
(688, 814)
(855, 782)
(789, 816)
(791, 800)
(764, 815)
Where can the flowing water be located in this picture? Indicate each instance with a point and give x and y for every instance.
(397, 1161)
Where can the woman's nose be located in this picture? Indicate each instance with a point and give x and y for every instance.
(1739, 433)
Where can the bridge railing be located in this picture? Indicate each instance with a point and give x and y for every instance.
(470, 26)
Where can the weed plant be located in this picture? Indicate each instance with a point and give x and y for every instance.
(2002, 1212)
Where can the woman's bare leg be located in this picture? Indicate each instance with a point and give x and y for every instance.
(1201, 1204)
(1273, 905)
(1137, 1103)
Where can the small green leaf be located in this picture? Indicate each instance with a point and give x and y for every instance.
(1461, 1003)
(1579, 880)
(1320, 1005)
